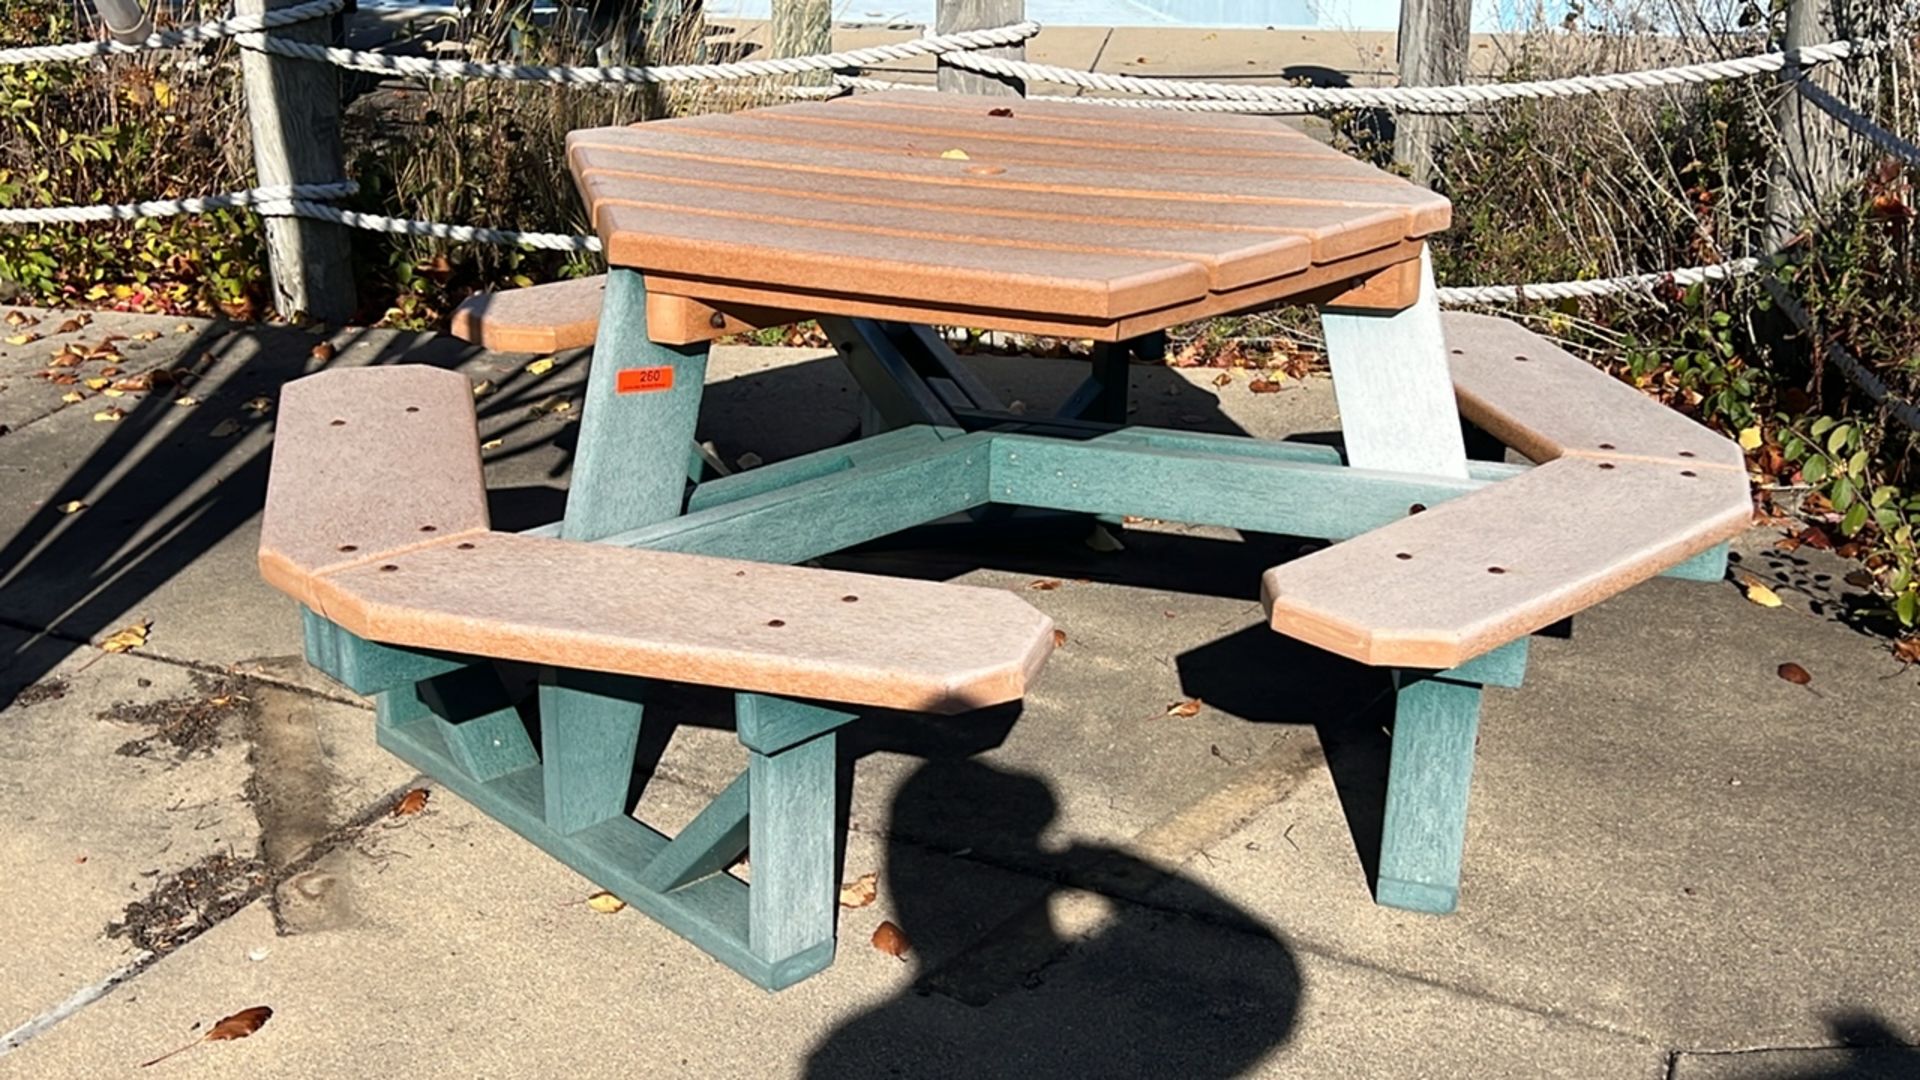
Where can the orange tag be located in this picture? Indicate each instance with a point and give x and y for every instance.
(643, 380)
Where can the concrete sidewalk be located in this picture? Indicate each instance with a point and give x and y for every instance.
(1680, 865)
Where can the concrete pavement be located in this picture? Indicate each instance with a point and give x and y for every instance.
(1679, 864)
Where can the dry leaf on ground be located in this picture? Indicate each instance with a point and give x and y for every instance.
(891, 940)
(127, 638)
(1189, 707)
(493, 444)
(1059, 638)
(411, 803)
(1907, 649)
(605, 902)
(1794, 673)
(1760, 594)
(110, 415)
(324, 351)
(147, 335)
(73, 397)
(238, 1026)
(1264, 386)
(540, 366)
(1044, 584)
(73, 507)
(23, 339)
(859, 892)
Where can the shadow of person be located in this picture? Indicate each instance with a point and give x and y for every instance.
(1081, 962)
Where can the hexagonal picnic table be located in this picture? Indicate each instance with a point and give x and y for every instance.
(886, 214)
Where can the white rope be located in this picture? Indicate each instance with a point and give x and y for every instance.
(1859, 124)
(210, 30)
(422, 67)
(1416, 98)
(1568, 290)
(47, 215)
(1869, 383)
(435, 229)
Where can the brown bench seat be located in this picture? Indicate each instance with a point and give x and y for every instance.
(1630, 489)
(376, 519)
(536, 319)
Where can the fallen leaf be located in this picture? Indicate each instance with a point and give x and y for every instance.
(1760, 594)
(1749, 438)
(1222, 379)
(493, 444)
(1794, 673)
(186, 401)
(128, 638)
(72, 397)
(110, 415)
(1264, 386)
(550, 406)
(411, 803)
(114, 391)
(147, 335)
(259, 406)
(956, 155)
(1059, 639)
(1907, 649)
(225, 428)
(72, 507)
(605, 902)
(1183, 709)
(183, 328)
(74, 324)
(540, 366)
(23, 339)
(483, 388)
(97, 383)
(1816, 537)
(891, 940)
(20, 318)
(859, 892)
(324, 351)
(238, 1026)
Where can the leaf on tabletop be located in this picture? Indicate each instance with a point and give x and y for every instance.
(411, 803)
(956, 155)
(859, 892)
(127, 638)
(605, 902)
(1794, 673)
(892, 940)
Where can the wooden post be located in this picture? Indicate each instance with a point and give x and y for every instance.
(803, 28)
(293, 109)
(1434, 39)
(956, 15)
(1811, 163)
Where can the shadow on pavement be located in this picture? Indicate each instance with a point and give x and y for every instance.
(1175, 982)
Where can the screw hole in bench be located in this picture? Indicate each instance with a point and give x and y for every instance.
(1417, 508)
(1522, 359)
(464, 546)
(429, 528)
(849, 599)
(1686, 453)
(1403, 555)
(1606, 464)
(338, 423)
(1496, 569)
(776, 622)
(349, 547)
(388, 567)
(1688, 472)
(1606, 446)
(413, 408)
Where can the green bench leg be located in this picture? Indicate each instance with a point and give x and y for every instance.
(1436, 721)
(792, 822)
(589, 730)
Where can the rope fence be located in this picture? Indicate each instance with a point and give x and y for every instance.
(956, 49)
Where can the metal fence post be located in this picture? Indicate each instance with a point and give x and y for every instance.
(956, 15)
(293, 110)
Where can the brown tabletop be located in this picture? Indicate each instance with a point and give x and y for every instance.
(1000, 213)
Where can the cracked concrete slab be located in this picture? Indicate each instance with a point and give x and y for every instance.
(146, 800)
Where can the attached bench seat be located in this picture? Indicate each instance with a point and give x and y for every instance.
(1629, 488)
(536, 319)
(376, 519)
